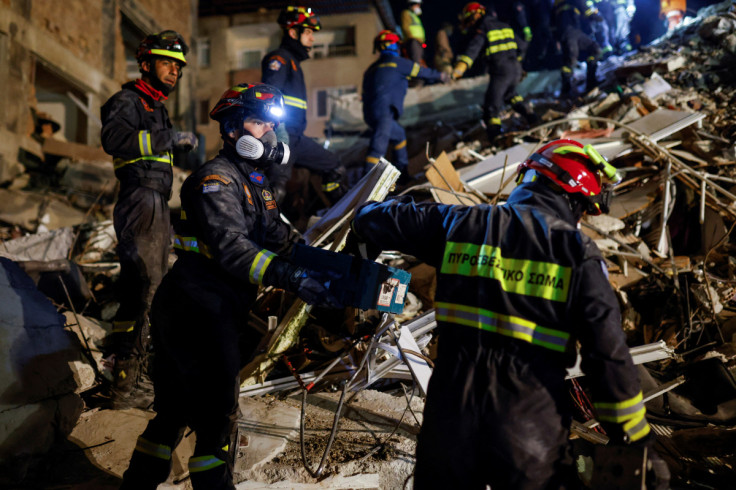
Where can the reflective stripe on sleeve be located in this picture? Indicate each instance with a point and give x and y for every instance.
(507, 325)
(144, 143)
(295, 102)
(160, 451)
(528, 277)
(191, 244)
(415, 70)
(629, 413)
(259, 266)
(198, 464)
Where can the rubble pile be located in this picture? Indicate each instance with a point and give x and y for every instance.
(665, 117)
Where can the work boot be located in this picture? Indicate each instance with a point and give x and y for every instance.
(131, 386)
(493, 131)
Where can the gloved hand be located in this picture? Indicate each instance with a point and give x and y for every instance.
(185, 140)
(358, 248)
(527, 34)
(459, 69)
(445, 77)
(311, 286)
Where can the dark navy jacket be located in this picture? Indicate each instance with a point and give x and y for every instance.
(281, 68)
(385, 83)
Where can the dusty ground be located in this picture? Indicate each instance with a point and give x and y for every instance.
(97, 452)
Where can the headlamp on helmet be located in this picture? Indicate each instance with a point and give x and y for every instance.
(260, 101)
(577, 170)
(298, 17)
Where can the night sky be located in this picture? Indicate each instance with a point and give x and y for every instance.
(646, 22)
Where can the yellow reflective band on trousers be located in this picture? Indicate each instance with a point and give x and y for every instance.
(516, 99)
(152, 449)
(198, 464)
(144, 143)
(191, 244)
(259, 265)
(330, 186)
(507, 325)
(295, 102)
(372, 160)
(163, 158)
(630, 413)
(123, 326)
(530, 278)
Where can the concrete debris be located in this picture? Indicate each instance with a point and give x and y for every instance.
(664, 116)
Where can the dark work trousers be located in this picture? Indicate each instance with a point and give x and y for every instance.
(142, 225)
(494, 416)
(414, 50)
(575, 43)
(198, 339)
(505, 76)
(387, 131)
(306, 153)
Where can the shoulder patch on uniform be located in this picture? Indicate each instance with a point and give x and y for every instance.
(256, 178)
(276, 62)
(212, 179)
(147, 107)
(212, 186)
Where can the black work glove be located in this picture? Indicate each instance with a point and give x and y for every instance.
(358, 248)
(185, 140)
(311, 286)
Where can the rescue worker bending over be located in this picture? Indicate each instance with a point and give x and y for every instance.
(623, 12)
(228, 244)
(385, 83)
(498, 43)
(518, 285)
(282, 69)
(137, 132)
(575, 43)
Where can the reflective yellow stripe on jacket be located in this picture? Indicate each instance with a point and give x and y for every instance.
(259, 266)
(531, 278)
(191, 244)
(295, 102)
(630, 413)
(496, 38)
(507, 325)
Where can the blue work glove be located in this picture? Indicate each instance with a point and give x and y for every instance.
(185, 140)
(311, 286)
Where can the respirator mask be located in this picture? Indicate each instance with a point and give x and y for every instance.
(264, 151)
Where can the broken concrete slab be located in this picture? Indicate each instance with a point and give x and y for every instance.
(267, 427)
(37, 387)
(37, 212)
(40, 247)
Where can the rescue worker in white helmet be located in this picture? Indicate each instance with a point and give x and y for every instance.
(518, 287)
(230, 240)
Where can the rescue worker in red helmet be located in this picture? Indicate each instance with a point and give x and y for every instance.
(518, 287)
(229, 241)
(282, 69)
(137, 132)
(499, 45)
(385, 83)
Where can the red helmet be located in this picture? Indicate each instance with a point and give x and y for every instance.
(470, 10)
(576, 169)
(168, 44)
(384, 39)
(244, 100)
(300, 17)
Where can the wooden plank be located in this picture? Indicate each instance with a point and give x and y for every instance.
(442, 174)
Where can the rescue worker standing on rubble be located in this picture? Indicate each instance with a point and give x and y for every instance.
(575, 43)
(137, 132)
(413, 31)
(518, 286)
(498, 42)
(231, 239)
(385, 83)
(282, 69)
(623, 12)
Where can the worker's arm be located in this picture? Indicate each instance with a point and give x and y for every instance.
(412, 228)
(473, 49)
(606, 360)
(409, 69)
(123, 134)
(275, 70)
